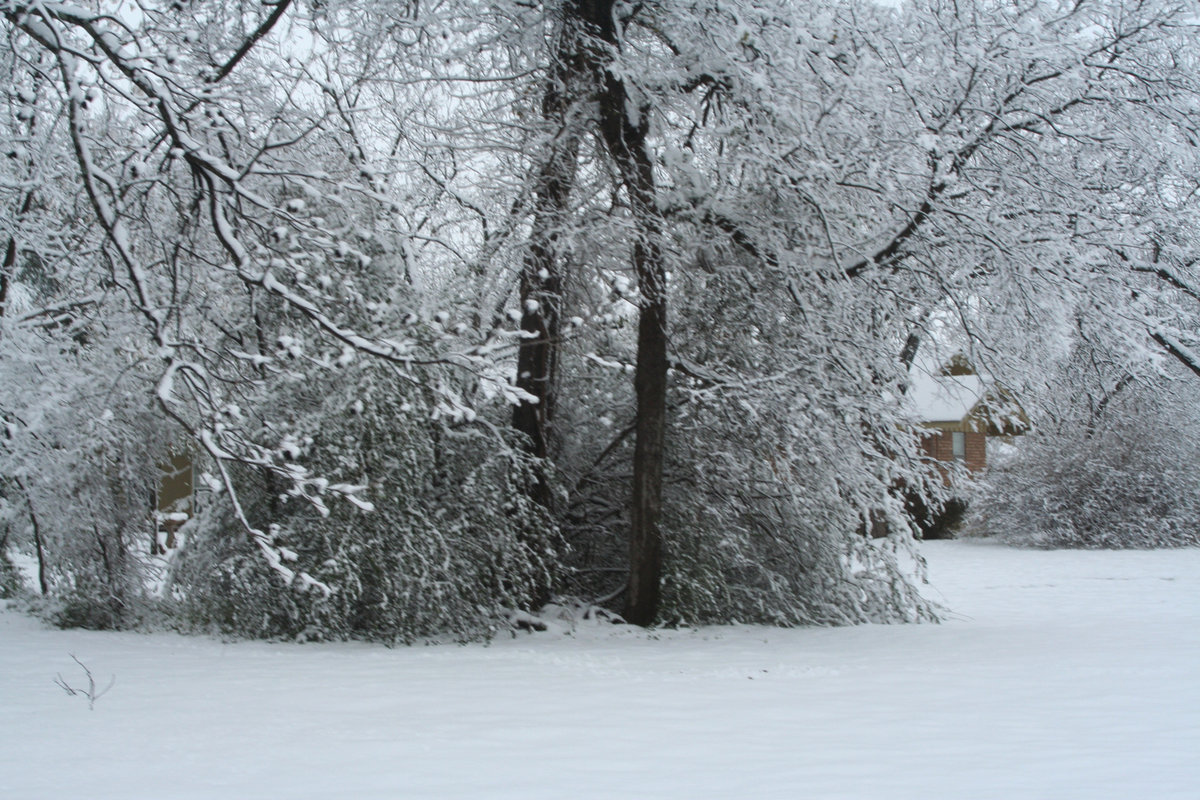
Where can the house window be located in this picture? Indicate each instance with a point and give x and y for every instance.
(958, 441)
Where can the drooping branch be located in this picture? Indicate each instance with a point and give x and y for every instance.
(281, 7)
(1179, 351)
(1171, 277)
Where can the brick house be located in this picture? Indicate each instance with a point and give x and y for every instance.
(959, 410)
(948, 444)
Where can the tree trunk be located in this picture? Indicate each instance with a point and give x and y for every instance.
(625, 130)
(8, 268)
(543, 271)
(650, 387)
(43, 583)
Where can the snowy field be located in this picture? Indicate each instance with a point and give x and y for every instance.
(1060, 675)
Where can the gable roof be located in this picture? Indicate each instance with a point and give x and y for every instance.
(944, 398)
(955, 397)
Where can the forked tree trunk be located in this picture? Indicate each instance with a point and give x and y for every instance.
(625, 130)
(584, 52)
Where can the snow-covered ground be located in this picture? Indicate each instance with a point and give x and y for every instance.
(1061, 675)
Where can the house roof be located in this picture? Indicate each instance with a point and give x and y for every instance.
(954, 397)
(943, 398)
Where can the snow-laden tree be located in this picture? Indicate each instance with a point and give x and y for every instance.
(79, 456)
(840, 185)
(695, 246)
(201, 168)
(224, 206)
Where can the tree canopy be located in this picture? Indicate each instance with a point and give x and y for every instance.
(464, 305)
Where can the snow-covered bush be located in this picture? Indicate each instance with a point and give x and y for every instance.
(777, 463)
(440, 539)
(78, 470)
(756, 537)
(1124, 478)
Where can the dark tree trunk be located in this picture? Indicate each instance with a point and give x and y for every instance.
(650, 387)
(908, 353)
(625, 130)
(542, 274)
(43, 583)
(8, 268)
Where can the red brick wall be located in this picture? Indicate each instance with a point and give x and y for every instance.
(940, 445)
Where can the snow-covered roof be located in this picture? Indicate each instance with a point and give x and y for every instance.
(943, 398)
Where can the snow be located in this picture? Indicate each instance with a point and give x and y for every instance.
(1059, 675)
(943, 398)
